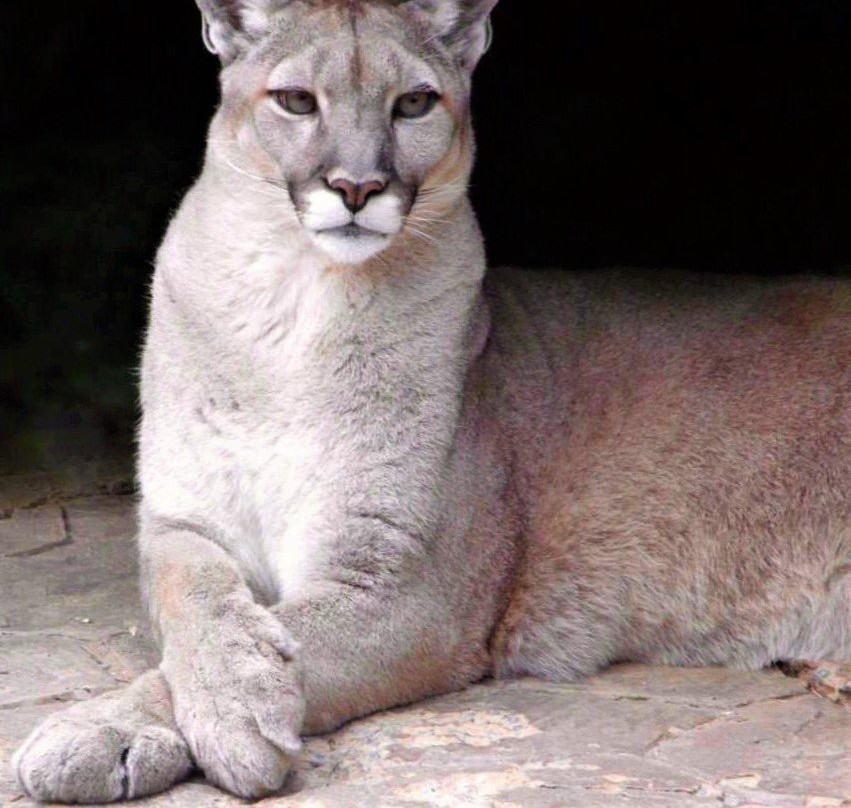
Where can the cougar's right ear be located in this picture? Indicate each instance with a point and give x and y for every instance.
(230, 26)
(464, 25)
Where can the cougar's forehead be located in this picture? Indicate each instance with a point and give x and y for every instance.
(345, 65)
(346, 50)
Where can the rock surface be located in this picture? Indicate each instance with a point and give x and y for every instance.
(71, 627)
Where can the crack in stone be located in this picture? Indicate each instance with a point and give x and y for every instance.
(45, 548)
(38, 502)
(117, 488)
(29, 505)
(807, 722)
(63, 698)
(66, 540)
(691, 791)
(722, 791)
(14, 633)
(90, 653)
(667, 735)
(696, 705)
(662, 790)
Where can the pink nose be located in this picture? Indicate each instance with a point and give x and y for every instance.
(355, 196)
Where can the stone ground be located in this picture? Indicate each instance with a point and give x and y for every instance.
(71, 627)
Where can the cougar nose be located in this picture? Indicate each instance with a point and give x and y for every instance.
(356, 195)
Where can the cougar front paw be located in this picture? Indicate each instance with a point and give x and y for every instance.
(238, 698)
(113, 747)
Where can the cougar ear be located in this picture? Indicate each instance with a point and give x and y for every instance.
(464, 25)
(231, 25)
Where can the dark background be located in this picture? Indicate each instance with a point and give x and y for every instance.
(672, 133)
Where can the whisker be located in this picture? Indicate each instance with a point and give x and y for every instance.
(426, 220)
(440, 199)
(446, 185)
(441, 190)
(430, 210)
(242, 171)
(422, 235)
(277, 184)
(442, 212)
(255, 177)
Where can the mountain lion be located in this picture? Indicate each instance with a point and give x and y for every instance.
(370, 474)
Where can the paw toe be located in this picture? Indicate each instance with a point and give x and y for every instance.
(256, 771)
(156, 759)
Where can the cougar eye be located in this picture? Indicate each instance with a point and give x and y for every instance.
(297, 102)
(416, 104)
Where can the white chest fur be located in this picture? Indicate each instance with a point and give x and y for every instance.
(233, 434)
(284, 399)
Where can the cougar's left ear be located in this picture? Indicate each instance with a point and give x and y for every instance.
(230, 26)
(464, 26)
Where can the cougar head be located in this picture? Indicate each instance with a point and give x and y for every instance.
(357, 111)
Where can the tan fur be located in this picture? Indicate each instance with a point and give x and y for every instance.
(697, 497)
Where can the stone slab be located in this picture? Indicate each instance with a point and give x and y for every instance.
(27, 532)
(92, 580)
(41, 667)
(124, 654)
(799, 746)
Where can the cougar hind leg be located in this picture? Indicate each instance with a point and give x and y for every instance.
(815, 629)
(827, 633)
(117, 746)
(552, 632)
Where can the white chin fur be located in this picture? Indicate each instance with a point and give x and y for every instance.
(350, 249)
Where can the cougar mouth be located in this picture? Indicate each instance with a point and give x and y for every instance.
(352, 230)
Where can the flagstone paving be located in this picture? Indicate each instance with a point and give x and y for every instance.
(71, 627)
